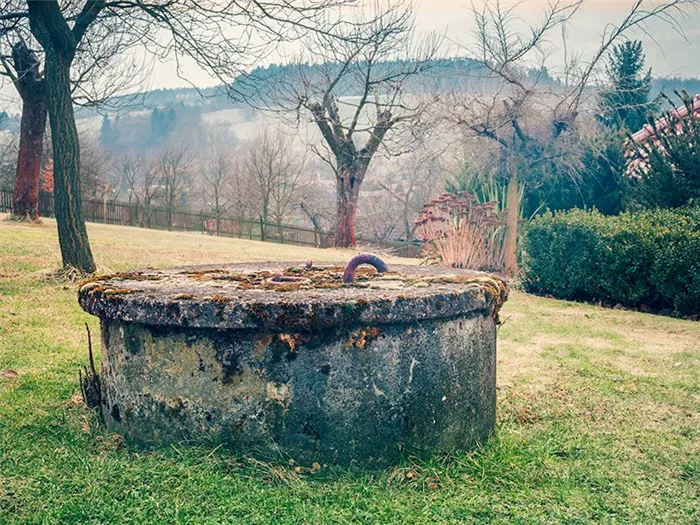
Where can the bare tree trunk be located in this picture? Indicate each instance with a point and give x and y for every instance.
(265, 218)
(511, 244)
(408, 224)
(346, 208)
(72, 233)
(218, 212)
(318, 233)
(31, 145)
(345, 222)
(31, 87)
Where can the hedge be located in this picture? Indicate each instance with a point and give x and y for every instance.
(649, 258)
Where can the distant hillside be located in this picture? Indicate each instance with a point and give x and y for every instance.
(451, 73)
(668, 85)
(206, 99)
(142, 121)
(209, 100)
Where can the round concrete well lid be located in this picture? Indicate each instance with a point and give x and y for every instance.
(245, 296)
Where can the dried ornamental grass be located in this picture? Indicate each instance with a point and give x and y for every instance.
(460, 232)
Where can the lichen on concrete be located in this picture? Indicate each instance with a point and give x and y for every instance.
(397, 363)
(214, 297)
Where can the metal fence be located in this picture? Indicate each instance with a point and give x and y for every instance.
(157, 218)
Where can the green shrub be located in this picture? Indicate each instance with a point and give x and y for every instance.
(647, 258)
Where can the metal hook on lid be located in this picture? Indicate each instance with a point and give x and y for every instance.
(362, 258)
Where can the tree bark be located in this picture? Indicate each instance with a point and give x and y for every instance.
(31, 146)
(512, 213)
(50, 28)
(31, 88)
(72, 232)
(347, 194)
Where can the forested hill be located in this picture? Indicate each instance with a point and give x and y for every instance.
(217, 98)
(193, 102)
(452, 73)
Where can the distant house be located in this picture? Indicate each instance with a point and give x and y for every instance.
(675, 118)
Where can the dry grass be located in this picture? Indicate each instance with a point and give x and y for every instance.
(120, 247)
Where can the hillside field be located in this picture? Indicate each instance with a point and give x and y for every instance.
(598, 416)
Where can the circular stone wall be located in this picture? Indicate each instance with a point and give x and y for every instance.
(309, 369)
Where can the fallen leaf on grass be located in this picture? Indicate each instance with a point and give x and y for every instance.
(77, 399)
(9, 373)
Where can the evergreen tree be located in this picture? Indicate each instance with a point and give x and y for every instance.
(170, 120)
(158, 126)
(603, 183)
(626, 103)
(599, 181)
(108, 133)
(162, 124)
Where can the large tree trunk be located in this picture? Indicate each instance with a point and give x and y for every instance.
(31, 88)
(347, 193)
(72, 233)
(31, 145)
(512, 213)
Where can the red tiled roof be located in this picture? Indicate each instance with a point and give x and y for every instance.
(677, 114)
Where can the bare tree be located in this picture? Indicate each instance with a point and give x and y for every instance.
(24, 71)
(361, 98)
(412, 184)
(532, 123)
(223, 37)
(9, 145)
(95, 169)
(216, 174)
(237, 190)
(141, 179)
(174, 164)
(131, 169)
(379, 214)
(275, 175)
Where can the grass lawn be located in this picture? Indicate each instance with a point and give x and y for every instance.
(599, 417)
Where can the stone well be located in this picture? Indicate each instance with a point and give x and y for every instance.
(284, 360)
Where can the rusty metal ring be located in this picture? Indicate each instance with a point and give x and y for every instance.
(362, 258)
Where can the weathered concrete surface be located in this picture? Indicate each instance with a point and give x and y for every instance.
(327, 375)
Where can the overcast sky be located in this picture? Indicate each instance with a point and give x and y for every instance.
(669, 53)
